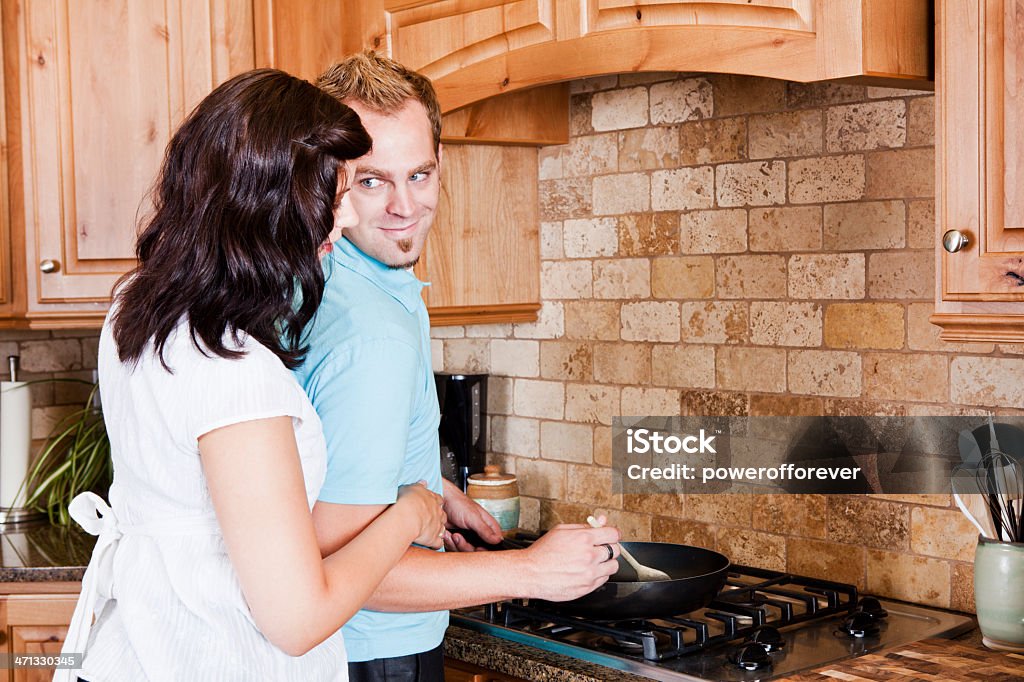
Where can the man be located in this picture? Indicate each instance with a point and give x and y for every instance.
(369, 376)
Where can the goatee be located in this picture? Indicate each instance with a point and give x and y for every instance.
(405, 246)
(404, 266)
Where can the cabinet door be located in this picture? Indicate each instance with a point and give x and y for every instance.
(102, 86)
(302, 37)
(980, 107)
(483, 255)
(6, 277)
(37, 640)
(36, 624)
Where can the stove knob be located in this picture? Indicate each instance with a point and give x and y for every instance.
(860, 624)
(872, 607)
(750, 657)
(768, 637)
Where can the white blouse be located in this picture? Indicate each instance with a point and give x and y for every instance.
(168, 602)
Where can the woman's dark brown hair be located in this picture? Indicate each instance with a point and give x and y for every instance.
(245, 198)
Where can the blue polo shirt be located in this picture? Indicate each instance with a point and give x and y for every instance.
(369, 376)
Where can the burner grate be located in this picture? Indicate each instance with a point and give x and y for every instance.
(752, 598)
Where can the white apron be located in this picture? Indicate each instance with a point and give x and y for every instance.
(97, 518)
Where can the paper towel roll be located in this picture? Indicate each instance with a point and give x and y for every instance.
(15, 440)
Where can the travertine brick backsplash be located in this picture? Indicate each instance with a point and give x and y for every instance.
(718, 244)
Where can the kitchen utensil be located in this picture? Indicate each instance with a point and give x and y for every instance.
(642, 572)
(1002, 479)
(998, 481)
(970, 449)
(1006, 438)
(975, 509)
(966, 489)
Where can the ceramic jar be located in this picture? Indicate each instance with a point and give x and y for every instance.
(498, 493)
(999, 593)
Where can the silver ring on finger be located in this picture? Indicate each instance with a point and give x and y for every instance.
(611, 552)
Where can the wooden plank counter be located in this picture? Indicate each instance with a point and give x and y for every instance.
(931, 660)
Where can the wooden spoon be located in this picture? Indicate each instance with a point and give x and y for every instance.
(643, 573)
(976, 512)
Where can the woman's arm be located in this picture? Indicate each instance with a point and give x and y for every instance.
(297, 598)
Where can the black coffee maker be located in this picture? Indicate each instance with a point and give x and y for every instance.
(463, 429)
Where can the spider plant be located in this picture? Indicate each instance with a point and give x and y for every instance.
(74, 459)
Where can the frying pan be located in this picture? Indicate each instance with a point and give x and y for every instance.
(697, 575)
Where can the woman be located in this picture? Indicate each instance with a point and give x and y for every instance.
(207, 565)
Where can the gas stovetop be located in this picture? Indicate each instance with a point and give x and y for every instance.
(763, 625)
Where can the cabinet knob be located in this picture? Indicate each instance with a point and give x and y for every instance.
(954, 240)
(49, 265)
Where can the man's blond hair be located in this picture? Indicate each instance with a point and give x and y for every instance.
(383, 85)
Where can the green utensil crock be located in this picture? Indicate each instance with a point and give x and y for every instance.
(999, 593)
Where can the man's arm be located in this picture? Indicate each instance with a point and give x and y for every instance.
(569, 561)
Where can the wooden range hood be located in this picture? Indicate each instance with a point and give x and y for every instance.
(476, 50)
(484, 56)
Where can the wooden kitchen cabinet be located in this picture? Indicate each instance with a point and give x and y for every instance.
(34, 619)
(482, 258)
(93, 92)
(980, 177)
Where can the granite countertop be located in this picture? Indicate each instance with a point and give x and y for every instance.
(529, 663)
(41, 552)
(524, 661)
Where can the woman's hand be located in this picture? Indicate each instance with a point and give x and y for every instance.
(428, 508)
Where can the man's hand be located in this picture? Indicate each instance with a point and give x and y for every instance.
(465, 513)
(570, 561)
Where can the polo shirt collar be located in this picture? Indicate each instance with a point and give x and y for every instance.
(401, 285)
